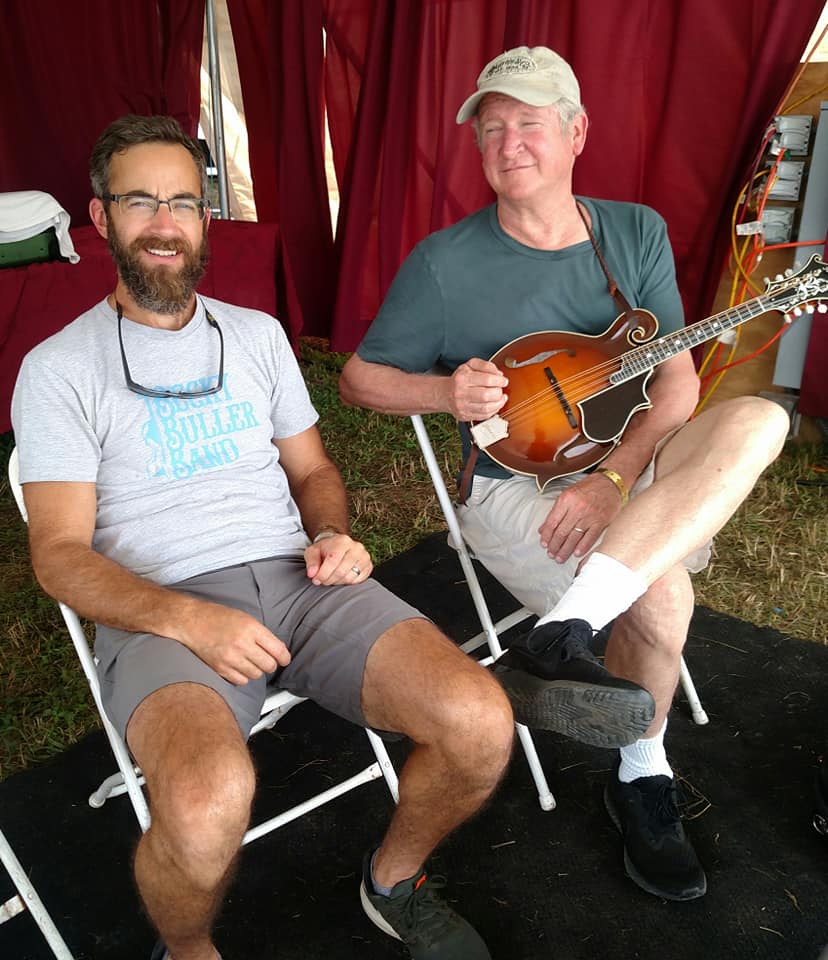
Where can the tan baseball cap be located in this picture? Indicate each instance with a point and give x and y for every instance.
(533, 75)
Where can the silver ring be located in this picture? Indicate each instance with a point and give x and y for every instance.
(356, 570)
(579, 529)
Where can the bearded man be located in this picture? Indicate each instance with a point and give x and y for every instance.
(179, 495)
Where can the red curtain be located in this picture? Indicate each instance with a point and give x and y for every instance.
(280, 57)
(678, 97)
(67, 70)
(813, 394)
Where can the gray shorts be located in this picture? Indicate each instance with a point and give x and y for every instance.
(328, 631)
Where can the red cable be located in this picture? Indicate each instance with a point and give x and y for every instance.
(750, 356)
(799, 243)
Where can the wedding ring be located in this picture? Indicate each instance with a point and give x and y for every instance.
(579, 529)
(356, 570)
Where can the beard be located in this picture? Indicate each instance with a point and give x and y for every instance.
(158, 289)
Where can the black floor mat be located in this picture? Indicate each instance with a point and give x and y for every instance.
(536, 885)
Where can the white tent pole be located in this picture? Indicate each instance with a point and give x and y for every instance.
(218, 116)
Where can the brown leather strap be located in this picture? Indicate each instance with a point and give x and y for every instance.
(621, 301)
(467, 475)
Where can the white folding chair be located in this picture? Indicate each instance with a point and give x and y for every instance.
(28, 899)
(128, 778)
(491, 631)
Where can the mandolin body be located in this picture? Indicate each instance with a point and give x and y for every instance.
(564, 415)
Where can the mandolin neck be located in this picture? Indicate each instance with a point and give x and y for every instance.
(641, 359)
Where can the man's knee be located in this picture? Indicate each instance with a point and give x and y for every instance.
(202, 808)
(768, 422)
(439, 697)
(471, 724)
(759, 425)
(475, 714)
(199, 774)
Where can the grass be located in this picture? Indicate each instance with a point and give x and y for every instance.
(769, 566)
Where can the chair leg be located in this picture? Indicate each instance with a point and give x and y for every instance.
(28, 899)
(545, 796)
(699, 715)
(113, 786)
(385, 765)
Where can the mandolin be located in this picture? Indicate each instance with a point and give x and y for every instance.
(571, 395)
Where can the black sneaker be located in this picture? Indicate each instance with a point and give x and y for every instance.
(821, 798)
(657, 853)
(555, 682)
(417, 915)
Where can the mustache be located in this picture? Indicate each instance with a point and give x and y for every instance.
(160, 243)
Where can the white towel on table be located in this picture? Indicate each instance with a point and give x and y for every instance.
(25, 213)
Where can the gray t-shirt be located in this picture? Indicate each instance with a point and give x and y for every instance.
(183, 486)
(470, 289)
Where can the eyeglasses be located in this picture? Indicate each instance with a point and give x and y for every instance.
(140, 206)
(171, 394)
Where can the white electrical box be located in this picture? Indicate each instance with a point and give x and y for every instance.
(777, 224)
(788, 180)
(793, 134)
(813, 225)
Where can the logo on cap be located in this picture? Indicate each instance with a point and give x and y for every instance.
(510, 65)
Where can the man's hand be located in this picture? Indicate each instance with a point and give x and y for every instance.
(233, 643)
(337, 560)
(476, 390)
(580, 515)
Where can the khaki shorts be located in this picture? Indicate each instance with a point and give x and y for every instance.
(329, 632)
(500, 523)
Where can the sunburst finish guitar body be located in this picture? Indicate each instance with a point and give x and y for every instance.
(571, 396)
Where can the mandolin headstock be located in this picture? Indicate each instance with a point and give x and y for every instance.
(805, 291)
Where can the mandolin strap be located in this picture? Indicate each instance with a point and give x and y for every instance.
(621, 301)
(468, 474)
(623, 307)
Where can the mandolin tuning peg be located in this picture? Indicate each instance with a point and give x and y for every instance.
(810, 308)
(822, 308)
(778, 277)
(797, 311)
(789, 272)
(766, 280)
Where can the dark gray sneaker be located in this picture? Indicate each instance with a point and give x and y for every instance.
(555, 682)
(658, 855)
(417, 915)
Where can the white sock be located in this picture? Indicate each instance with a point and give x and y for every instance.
(604, 588)
(645, 758)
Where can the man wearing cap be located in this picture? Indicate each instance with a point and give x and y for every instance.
(540, 259)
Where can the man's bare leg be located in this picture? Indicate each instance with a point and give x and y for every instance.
(201, 782)
(703, 473)
(418, 683)
(646, 641)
